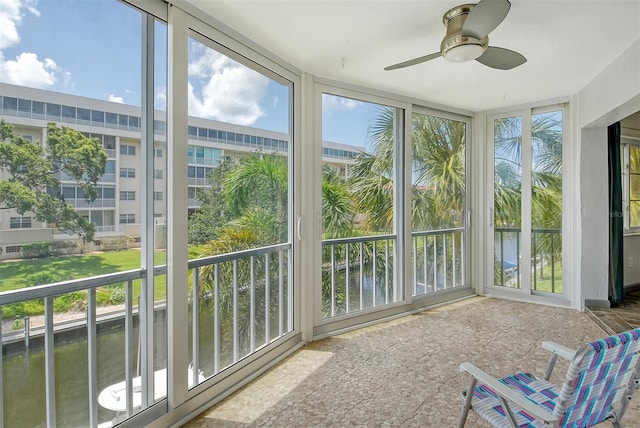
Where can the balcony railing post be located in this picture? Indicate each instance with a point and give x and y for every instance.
(502, 258)
(236, 338)
(267, 299)
(333, 280)
(361, 276)
(414, 260)
(444, 259)
(435, 262)
(128, 349)
(553, 263)
(518, 258)
(462, 259)
(454, 239)
(386, 271)
(535, 261)
(374, 286)
(346, 281)
(281, 293)
(252, 305)
(216, 319)
(49, 368)
(92, 358)
(1, 371)
(195, 326)
(425, 249)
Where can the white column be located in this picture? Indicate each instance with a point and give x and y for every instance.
(177, 111)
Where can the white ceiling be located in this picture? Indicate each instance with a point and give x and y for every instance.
(567, 43)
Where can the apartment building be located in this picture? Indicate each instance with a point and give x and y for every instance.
(117, 210)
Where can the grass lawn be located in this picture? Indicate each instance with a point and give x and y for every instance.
(26, 273)
(544, 284)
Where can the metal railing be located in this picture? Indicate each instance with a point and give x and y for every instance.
(357, 273)
(47, 293)
(438, 261)
(244, 298)
(546, 253)
(246, 293)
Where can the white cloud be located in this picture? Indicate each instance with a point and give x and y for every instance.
(161, 98)
(26, 69)
(11, 18)
(334, 103)
(222, 89)
(274, 104)
(115, 99)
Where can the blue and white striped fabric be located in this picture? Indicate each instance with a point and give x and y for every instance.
(599, 376)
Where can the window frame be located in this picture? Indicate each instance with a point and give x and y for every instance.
(625, 146)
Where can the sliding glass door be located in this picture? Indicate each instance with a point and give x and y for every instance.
(525, 207)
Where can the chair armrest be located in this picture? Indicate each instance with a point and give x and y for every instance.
(501, 389)
(559, 350)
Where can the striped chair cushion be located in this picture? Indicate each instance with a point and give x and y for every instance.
(486, 404)
(598, 378)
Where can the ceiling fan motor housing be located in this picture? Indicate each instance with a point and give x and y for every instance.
(455, 46)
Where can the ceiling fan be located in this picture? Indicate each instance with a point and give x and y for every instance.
(468, 27)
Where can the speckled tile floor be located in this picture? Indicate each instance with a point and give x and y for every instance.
(404, 372)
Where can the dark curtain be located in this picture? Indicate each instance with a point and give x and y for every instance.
(616, 284)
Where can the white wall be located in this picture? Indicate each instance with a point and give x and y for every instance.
(609, 97)
(614, 93)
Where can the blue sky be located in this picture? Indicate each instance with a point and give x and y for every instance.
(92, 48)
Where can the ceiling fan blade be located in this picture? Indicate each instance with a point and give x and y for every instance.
(485, 17)
(500, 58)
(413, 61)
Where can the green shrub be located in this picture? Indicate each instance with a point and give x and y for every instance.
(75, 301)
(113, 294)
(23, 309)
(38, 249)
(115, 244)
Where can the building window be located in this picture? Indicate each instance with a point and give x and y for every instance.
(13, 248)
(127, 150)
(157, 196)
(97, 116)
(128, 172)
(127, 218)
(157, 174)
(109, 142)
(9, 104)
(157, 153)
(127, 195)
(20, 222)
(630, 152)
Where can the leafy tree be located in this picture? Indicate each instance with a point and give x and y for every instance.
(30, 180)
(214, 213)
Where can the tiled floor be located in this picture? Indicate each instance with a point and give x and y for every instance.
(405, 372)
(619, 318)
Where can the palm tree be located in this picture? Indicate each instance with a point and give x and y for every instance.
(260, 181)
(338, 213)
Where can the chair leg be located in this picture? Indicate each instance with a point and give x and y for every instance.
(467, 403)
(552, 363)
